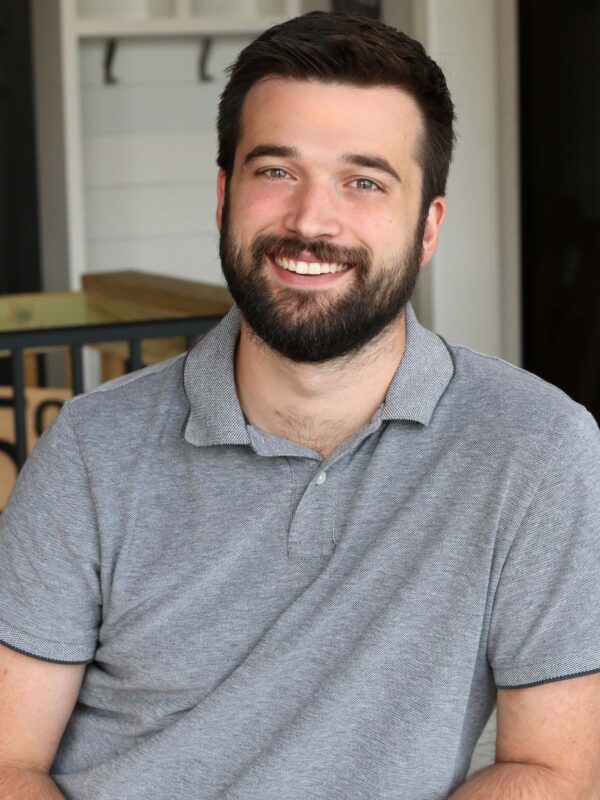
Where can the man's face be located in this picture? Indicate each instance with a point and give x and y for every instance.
(324, 174)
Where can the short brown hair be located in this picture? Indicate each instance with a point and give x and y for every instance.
(352, 49)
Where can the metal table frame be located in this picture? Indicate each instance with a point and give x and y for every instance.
(75, 337)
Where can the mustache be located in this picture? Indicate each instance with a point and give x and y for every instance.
(290, 246)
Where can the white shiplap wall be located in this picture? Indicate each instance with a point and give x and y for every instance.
(149, 150)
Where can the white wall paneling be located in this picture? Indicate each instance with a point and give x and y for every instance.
(399, 14)
(149, 150)
(507, 88)
(146, 211)
(136, 158)
(194, 255)
(51, 155)
(470, 292)
(147, 109)
(146, 159)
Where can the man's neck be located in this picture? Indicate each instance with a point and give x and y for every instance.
(317, 405)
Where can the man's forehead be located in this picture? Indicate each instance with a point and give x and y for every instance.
(373, 110)
(282, 86)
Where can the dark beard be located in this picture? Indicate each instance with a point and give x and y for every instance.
(308, 326)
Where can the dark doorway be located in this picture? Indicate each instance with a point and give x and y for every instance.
(560, 149)
(19, 241)
(19, 246)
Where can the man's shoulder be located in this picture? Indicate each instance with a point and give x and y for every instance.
(161, 372)
(503, 394)
(141, 394)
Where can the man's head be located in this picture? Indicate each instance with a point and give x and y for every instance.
(332, 152)
(345, 48)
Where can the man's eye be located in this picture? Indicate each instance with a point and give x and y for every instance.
(366, 185)
(273, 172)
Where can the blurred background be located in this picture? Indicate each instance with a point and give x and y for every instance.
(107, 163)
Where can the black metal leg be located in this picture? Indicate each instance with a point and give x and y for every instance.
(8, 448)
(135, 354)
(19, 397)
(77, 367)
(39, 414)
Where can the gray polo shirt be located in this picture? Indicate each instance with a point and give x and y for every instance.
(263, 624)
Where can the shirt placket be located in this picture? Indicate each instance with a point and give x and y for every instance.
(312, 527)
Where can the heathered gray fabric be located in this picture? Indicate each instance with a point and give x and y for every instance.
(255, 632)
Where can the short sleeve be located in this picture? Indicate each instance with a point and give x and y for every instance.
(50, 599)
(545, 622)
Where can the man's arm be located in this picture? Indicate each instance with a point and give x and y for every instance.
(25, 784)
(547, 744)
(36, 701)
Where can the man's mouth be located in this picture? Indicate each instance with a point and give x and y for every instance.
(310, 267)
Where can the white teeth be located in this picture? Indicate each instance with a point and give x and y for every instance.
(309, 267)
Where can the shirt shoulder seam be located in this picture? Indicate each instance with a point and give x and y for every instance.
(132, 379)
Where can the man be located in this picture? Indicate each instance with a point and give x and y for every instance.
(306, 559)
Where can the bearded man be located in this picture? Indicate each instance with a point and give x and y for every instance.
(307, 558)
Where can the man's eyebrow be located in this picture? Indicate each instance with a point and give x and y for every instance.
(372, 162)
(358, 159)
(276, 150)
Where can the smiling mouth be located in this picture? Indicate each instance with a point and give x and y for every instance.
(310, 267)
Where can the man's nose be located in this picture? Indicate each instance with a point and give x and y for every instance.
(313, 212)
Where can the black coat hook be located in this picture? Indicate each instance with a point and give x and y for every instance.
(204, 53)
(109, 59)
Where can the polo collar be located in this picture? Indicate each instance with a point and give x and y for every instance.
(215, 415)
(424, 372)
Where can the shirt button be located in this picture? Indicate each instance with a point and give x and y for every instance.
(321, 478)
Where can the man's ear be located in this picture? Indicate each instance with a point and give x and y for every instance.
(221, 184)
(435, 217)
